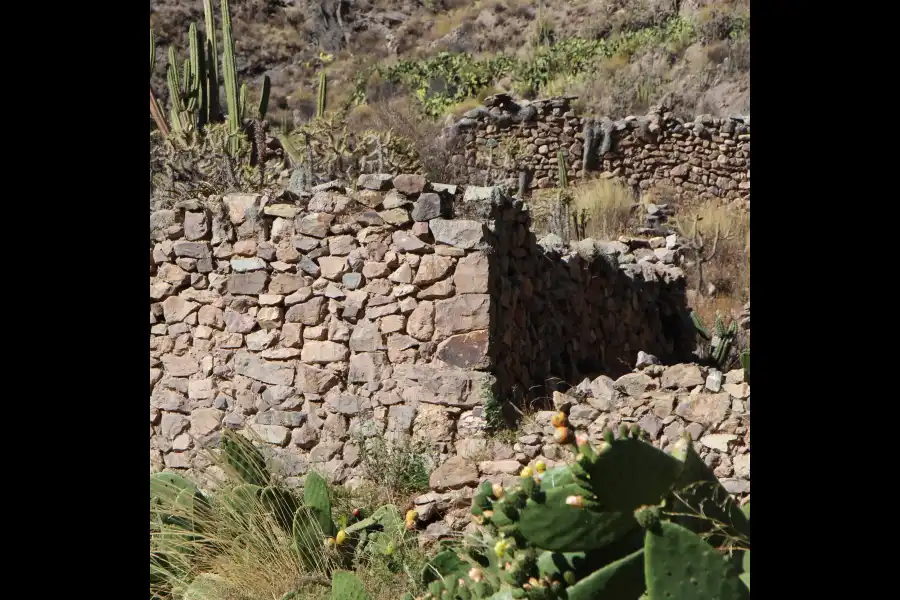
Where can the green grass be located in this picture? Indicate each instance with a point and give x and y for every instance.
(234, 546)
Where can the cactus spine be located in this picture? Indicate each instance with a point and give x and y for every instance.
(321, 99)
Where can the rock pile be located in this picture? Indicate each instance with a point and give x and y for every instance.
(711, 406)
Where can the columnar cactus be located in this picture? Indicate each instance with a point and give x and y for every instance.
(720, 341)
(322, 98)
(194, 91)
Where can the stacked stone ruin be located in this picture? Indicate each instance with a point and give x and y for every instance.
(396, 307)
(708, 157)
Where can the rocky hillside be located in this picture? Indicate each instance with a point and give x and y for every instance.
(695, 53)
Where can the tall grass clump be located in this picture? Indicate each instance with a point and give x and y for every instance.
(608, 206)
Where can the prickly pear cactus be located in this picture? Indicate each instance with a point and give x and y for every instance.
(624, 520)
(680, 565)
(315, 496)
(345, 586)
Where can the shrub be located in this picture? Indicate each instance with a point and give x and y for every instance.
(399, 465)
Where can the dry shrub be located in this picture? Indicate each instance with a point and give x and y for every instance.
(608, 206)
(727, 229)
(435, 150)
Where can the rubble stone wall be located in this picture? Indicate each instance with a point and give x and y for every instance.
(706, 158)
(315, 321)
(666, 402)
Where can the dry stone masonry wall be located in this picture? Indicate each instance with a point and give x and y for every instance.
(394, 308)
(706, 158)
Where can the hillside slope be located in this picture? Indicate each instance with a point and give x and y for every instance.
(694, 53)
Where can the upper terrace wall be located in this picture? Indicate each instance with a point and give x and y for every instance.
(706, 158)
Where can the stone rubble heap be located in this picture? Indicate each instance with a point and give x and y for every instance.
(706, 158)
(711, 406)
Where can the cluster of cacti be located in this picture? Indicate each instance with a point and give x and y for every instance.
(624, 520)
(194, 90)
(326, 149)
(720, 342)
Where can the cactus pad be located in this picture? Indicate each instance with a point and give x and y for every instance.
(623, 578)
(679, 565)
(245, 459)
(697, 485)
(630, 473)
(555, 525)
(443, 564)
(315, 496)
(282, 504)
(165, 487)
(345, 586)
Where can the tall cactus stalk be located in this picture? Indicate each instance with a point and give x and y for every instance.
(212, 64)
(194, 89)
(232, 93)
(561, 167)
(156, 112)
(322, 97)
(152, 52)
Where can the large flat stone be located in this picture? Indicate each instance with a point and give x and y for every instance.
(461, 233)
(466, 350)
(274, 373)
(461, 314)
(457, 472)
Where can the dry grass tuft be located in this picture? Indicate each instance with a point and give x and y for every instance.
(720, 273)
(608, 206)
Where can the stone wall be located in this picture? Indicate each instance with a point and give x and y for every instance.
(314, 320)
(712, 407)
(706, 158)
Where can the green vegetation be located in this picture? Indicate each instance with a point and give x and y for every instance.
(400, 466)
(592, 530)
(254, 538)
(441, 81)
(194, 91)
(719, 343)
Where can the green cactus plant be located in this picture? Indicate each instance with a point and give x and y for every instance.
(316, 498)
(194, 85)
(591, 530)
(322, 95)
(346, 586)
(720, 341)
(563, 175)
(745, 364)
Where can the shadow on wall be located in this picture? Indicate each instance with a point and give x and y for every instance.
(566, 312)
